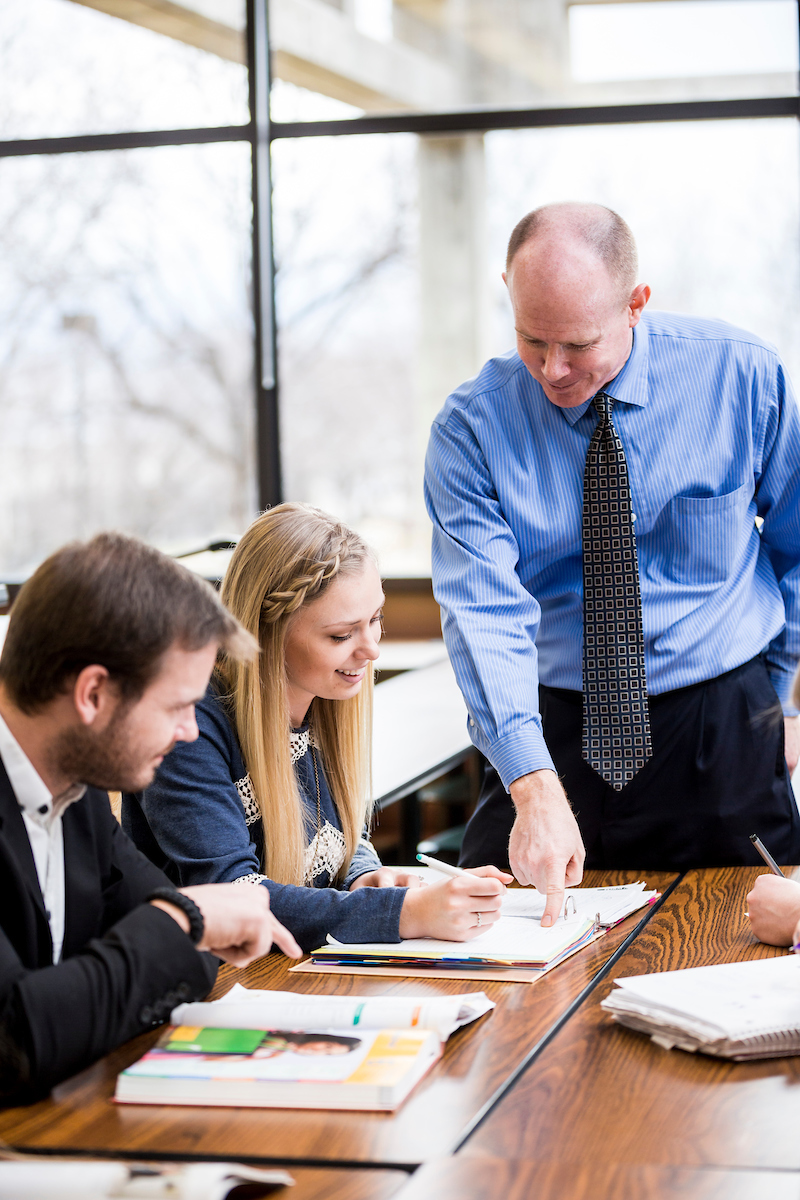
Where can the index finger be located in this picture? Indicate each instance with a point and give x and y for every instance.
(556, 883)
(284, 939)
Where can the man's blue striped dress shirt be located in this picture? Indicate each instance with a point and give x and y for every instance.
(711, 434)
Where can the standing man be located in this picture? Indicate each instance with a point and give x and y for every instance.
(109, 647)
(622, 630)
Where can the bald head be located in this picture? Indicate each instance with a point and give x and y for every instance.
(577, 230)
(572, 282)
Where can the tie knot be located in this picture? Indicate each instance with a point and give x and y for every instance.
(603, 404)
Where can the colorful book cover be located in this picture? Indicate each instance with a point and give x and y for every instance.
(291, 1068)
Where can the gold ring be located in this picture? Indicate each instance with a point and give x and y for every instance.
(478, 919)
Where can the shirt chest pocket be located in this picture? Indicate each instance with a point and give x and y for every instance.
(700, 536)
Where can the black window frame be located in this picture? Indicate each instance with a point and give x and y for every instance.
(259, 132)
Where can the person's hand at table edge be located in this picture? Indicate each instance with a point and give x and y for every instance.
(774, 909)
(239, 926)
(545, 848)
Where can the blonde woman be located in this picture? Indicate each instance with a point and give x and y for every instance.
(274, 791)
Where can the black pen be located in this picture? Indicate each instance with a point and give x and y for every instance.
(765, 854)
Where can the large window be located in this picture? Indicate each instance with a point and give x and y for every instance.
(126, 332)
(347, 290)
(67, 68)
(449, 55)
(138, 384)
(390, 235)
(125, 347)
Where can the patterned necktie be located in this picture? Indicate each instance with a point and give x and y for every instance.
(616, 718)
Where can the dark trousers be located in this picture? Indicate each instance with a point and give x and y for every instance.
(717, 775)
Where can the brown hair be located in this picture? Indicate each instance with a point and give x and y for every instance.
(597, 226)
(289, 557)
(112, 601)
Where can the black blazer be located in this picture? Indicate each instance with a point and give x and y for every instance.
(124, 964)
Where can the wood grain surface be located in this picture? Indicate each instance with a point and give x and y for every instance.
(365, 1183)
(463, 1178)
(601, 1094)
(477, 1061)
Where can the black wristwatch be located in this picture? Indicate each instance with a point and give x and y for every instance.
(197, 925)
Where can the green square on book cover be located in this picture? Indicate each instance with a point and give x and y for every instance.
(185, 1040)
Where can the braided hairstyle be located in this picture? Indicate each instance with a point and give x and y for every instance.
(309, 585)
(288, 558)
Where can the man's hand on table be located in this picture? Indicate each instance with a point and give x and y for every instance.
(791, 727)
(545, 848)
(239, 926)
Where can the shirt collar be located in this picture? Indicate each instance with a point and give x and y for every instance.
(630, 385)
(33, 795)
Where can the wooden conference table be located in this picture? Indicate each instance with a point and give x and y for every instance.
(600, 1094)
(544, 1097)
(478, 1063)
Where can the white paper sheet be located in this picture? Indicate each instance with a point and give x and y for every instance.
(248, 1008)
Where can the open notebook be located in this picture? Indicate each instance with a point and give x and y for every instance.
(735, 1010)
(516, 941)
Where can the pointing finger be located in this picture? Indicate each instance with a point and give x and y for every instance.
(555, 895)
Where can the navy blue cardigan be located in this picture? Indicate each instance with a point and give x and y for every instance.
(192, 823)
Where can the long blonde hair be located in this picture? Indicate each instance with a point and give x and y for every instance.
(288, 557)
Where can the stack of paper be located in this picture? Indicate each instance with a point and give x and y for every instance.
(82, 1179)
(248, 1008)
(516, 941)
(737, 1010)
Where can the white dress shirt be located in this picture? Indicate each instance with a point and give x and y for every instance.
(42, 813)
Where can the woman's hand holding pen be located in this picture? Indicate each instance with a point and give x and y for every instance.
(456, 910)
(774, 909)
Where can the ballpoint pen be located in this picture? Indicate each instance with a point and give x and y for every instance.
(765, 854)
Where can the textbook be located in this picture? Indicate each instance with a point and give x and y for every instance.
(281, 1068)
(517, 941)
(740, 1010)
